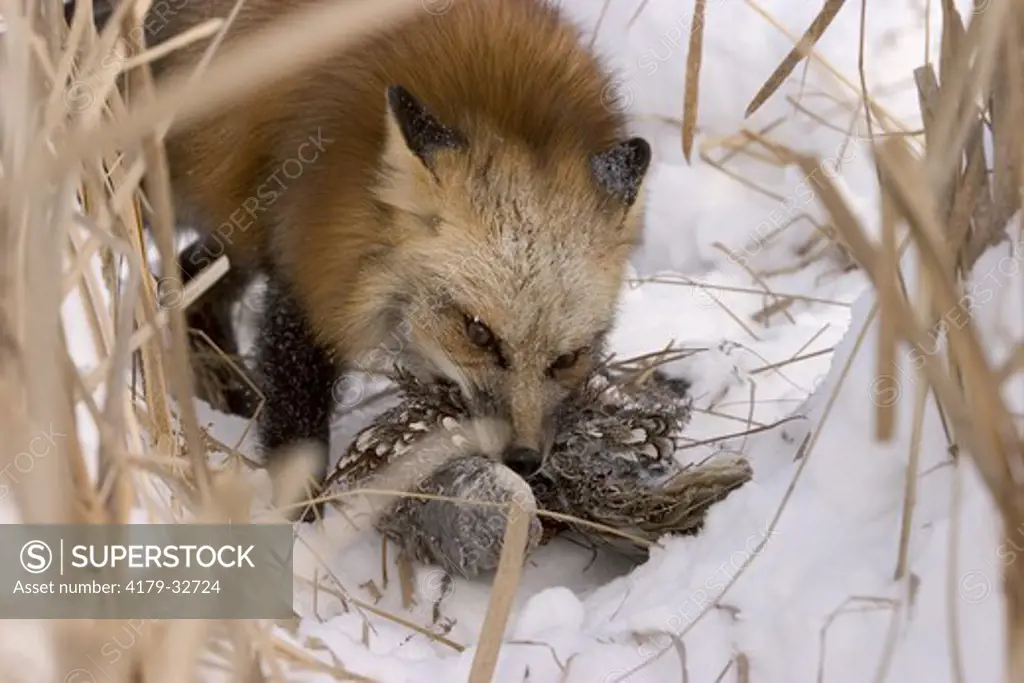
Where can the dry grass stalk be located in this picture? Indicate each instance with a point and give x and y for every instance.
(693, 61)
(888, 266)
(140, 80)
(37, 391)
(797, 54)
(506, 582)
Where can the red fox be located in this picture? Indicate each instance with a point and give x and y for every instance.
(454, 193)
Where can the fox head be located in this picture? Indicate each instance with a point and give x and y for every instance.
(508, 263)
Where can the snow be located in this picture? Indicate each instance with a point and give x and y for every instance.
(810, 596)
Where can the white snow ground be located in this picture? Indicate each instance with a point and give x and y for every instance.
(829, 560)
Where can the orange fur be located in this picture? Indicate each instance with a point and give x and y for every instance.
(383, 250)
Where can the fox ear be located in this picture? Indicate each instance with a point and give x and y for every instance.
(422, 133)
(620, 169)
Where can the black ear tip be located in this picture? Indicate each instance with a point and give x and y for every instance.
(620, 169)
(398, 95)
(423, 133)
(641, 151)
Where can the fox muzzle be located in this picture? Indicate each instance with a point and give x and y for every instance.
(522, 460)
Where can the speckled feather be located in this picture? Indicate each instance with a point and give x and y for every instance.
(462, 539)
(612, 463)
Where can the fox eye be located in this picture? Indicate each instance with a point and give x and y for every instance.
(479, 333)
(567, 360)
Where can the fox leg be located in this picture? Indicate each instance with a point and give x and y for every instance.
(217, 382)
(297, 377)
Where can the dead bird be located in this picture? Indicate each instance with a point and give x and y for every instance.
(612, 465)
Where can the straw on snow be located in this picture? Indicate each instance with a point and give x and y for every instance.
(103, 150)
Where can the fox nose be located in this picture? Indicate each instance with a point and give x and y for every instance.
(522, 460)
